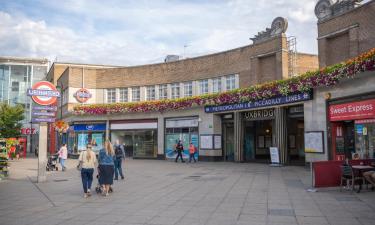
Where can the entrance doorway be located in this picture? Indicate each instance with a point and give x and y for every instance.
(257, 140)
(228, 138)
(343, 139)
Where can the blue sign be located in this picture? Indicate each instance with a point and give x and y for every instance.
(45, 93)
(89, 127)
(299, 97)
(359, 128)
(41, 120)
(43, 113)
(48, 108)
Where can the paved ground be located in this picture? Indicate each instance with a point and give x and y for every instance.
(160, 192)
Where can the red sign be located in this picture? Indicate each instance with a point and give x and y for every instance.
(28, 131)
(82, 95)
(43, 93)
(352, 111)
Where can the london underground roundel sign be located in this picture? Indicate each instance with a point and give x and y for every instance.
(44, 93)
(82, 95)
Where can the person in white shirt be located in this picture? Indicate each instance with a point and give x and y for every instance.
(88, 160)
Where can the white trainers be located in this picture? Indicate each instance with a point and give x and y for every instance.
(85, 195)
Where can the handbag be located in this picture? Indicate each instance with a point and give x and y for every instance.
(79, 166)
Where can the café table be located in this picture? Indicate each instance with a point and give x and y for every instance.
(359, 170)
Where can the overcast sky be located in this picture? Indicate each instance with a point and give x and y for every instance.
(119, 32)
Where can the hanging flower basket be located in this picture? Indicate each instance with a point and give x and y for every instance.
(61, 126)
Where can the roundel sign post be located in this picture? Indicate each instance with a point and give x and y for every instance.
(43, 93)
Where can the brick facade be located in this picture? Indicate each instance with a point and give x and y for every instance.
(347, 35)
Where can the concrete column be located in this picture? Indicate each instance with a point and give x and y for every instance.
(160, 136)
(107, 130)
(281, 133)
(42, 155)
(238, 137)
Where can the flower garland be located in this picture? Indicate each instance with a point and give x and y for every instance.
(328, 76)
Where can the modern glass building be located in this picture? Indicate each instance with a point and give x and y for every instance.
(16, 76)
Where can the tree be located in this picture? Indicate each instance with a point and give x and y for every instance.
(10, 117)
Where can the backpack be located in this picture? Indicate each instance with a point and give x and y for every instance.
(118, 152)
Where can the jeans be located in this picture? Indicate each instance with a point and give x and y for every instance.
(62, 163)
(179, 154)
(191, 156)
(118, 168)
(86, 175)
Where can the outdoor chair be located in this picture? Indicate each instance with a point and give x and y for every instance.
(347, 174)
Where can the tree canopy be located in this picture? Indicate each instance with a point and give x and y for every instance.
(10, 118)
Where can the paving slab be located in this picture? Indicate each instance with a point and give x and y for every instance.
(159, 192)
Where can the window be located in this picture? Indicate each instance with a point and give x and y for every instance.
(136, 94)
(188, 89)
(231, 82)
(150, 93)
(15, 86)
(111, 95)
(163, 91)
(175, 90)
(123, 95)
(216, 85)
(203, 87)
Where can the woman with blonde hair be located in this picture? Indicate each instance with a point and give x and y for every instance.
(106, 166)
(87, 160)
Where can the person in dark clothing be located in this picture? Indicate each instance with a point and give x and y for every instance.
(179, 149)
(119, 156)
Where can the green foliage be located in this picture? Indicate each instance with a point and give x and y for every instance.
(10, 117)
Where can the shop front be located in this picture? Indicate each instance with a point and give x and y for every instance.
(352, 124)
(184, 129)
(139, 137)
(84, 133)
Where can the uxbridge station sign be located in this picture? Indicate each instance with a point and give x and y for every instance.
(281, 100)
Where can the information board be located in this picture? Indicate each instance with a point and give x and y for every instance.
(314, 142)
(274, 153)
(206, 141)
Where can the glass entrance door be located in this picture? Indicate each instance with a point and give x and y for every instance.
(228, 130)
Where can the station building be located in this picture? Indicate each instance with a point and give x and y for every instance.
(153, 134)
(241, 131)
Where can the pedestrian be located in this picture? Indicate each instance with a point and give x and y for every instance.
(119, 155)
(192, 151)
(87, 158)
(63, 155)
(106, 167)
(179, 148)
(18, 151)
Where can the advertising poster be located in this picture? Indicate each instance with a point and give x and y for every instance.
(82, 141)
(194, 140)
(170, 143)
(97, 142)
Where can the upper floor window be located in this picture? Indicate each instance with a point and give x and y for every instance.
(230, 82)
(163, 91)
(136, 94)
(175, 88)
(150, 93)
(216, 85)
(203, 87)
(111, 95)
(123, 95)
(15, 86)
(188, 89)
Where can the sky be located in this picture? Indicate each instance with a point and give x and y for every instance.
(136, 32)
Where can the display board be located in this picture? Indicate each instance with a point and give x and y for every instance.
(206, 141)
(314, 142)
(217, 141)
(274, 153)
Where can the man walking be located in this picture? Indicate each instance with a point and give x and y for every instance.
(179, 149)
(119, 155)
(192, 151)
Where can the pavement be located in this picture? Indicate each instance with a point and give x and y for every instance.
(168, 193)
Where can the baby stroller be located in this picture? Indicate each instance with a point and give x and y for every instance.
(99, 186)
(52, 163)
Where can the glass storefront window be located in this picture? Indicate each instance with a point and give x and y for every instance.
(186, 135)
(138, 143)
(96, 139)
(365, 140)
